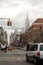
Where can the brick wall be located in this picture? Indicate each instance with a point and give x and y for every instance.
(35, 30)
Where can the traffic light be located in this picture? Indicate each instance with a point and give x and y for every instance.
(9, 23)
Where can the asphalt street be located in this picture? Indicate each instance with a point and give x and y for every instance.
(15, 57)
(13, 62)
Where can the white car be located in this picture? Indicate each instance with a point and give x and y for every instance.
(34, 52)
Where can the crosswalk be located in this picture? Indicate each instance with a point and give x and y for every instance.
(14, 52)
(20, 59)
(17, 55)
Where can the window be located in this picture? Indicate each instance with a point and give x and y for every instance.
(41, 47)
(34, 48)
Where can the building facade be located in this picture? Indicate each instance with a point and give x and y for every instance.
(1, 34)
(35, 32)
(5, 37)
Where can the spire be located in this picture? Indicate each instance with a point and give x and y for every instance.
(27, 22)
(27, 15)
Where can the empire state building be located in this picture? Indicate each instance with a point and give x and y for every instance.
(27, 23)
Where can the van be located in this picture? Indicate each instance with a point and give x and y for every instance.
(34, 52)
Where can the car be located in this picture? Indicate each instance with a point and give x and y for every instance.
(10, 48)
(34, 52)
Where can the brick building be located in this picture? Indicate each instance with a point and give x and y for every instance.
(1, 34)
(35, 32)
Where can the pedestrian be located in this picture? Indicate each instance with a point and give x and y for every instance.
(4, 47)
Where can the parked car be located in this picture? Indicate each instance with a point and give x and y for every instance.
(34, 52)
(10, 48)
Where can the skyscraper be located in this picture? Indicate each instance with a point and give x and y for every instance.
(27, 22)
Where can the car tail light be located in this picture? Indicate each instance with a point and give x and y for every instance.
(38, 54)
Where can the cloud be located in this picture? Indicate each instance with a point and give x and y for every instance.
(8, 3)
(12, 3)
(35, 2)
(17, 9)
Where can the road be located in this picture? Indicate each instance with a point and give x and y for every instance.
(13, 62)
(15, 57)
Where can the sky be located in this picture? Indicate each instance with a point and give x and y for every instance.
(17, 11)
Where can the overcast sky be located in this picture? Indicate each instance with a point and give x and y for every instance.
(17, 11)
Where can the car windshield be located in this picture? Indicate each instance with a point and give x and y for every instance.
(41, 47)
